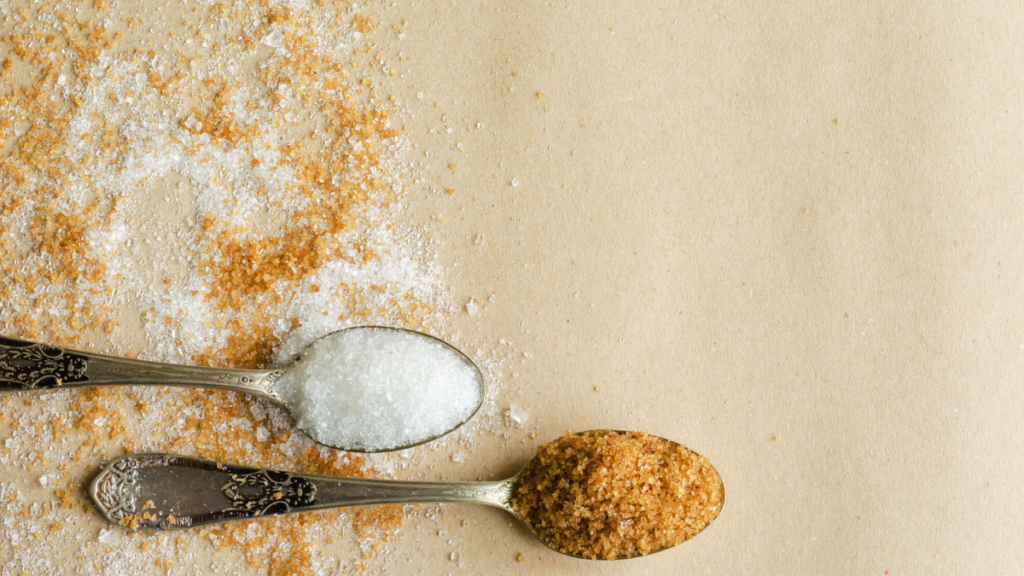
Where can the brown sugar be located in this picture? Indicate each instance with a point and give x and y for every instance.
(608, 495)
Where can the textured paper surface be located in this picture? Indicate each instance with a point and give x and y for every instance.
(788, 235)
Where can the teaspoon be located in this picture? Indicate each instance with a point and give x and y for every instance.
(30, 366)
(162, 492)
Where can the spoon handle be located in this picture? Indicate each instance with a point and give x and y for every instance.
(27, 366)
(156, 492)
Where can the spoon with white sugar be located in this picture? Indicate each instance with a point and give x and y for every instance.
(363, 389)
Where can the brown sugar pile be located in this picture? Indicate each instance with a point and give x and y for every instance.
(606, 495)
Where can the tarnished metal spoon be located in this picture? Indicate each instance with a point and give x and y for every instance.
(159, 492)
(29, 366)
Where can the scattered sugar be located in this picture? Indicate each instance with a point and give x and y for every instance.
(376, 389)
(221, 206)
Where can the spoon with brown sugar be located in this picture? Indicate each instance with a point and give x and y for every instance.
(601, 494)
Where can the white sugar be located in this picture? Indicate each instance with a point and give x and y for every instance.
(274, 39)
(376, 389)
(518, 415)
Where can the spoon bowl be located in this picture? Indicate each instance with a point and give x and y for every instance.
(29, 366)
(180, 492)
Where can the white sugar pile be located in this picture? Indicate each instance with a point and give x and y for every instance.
(377, 389)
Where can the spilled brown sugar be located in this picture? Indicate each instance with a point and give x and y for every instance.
(215, 183)
(609, 495)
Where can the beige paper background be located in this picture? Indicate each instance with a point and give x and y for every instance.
(786, 234)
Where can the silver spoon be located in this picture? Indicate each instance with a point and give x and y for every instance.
(161, 492)
(29, 366)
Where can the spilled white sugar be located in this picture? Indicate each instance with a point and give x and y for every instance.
(518, 415)
(377, 389)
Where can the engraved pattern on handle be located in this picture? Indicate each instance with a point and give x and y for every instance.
(117, 492)
(30, 366)
(112, 490)
(276, 490)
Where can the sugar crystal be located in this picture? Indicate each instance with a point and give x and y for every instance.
(258, 412)
(517, 414)
(273, 39)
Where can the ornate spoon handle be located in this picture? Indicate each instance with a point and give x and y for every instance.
(30, 366)
(168, 492)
